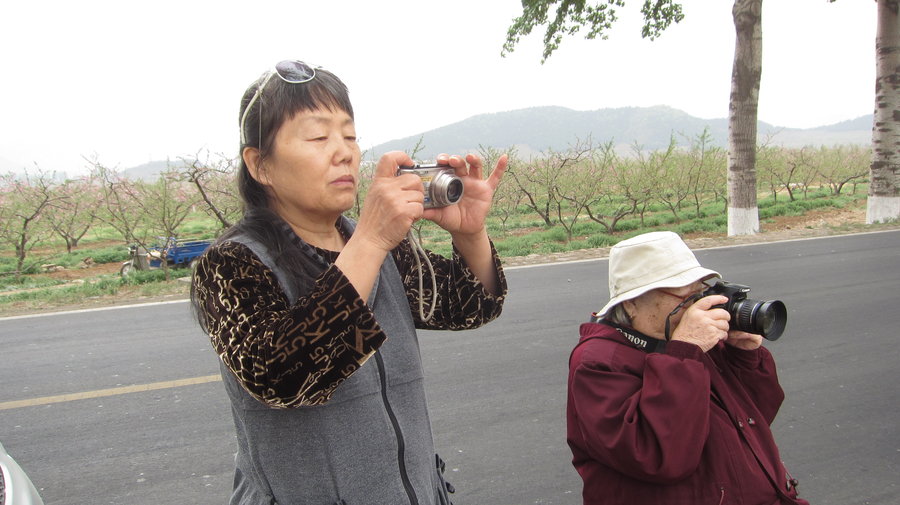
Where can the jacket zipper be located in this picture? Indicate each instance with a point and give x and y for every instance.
(401, 445)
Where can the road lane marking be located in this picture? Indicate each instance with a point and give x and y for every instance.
(94, 309)
(100, 393)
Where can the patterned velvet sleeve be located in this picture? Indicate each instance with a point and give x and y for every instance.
(462, 302)
(285, 355)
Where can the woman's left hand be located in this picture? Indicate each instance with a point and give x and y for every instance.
(467, 216)
(744, 340)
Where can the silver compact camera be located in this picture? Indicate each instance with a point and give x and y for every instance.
(442, 186)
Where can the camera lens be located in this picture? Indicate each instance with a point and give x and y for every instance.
(454, 190)
(772, 318)
(762, 318)
(446, 188)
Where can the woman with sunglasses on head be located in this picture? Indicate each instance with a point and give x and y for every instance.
(314, 316)
(666, 404)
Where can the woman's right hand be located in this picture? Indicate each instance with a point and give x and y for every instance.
(703, 325)
(393, 203)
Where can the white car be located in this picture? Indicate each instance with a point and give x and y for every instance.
(15, 487)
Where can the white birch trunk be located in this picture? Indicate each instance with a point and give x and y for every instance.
(884, 190)
(743, 213)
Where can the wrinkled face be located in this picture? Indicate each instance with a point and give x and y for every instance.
(649, 311)
(313, 171)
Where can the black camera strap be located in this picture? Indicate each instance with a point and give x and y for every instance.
(634, 338)
(691, 299)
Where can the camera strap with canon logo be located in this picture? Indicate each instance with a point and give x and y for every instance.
(631, 337)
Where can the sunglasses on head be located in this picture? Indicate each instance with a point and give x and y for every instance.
(291, 72)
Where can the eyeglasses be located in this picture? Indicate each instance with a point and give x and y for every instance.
(684, 299)
(291, 72)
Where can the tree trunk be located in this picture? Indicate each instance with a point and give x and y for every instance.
(883, 203)
(743, 213)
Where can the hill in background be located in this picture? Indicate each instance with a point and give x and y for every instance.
(149, 172)
(538, 129)
(535, 130)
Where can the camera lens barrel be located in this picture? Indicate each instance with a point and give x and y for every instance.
(767, 318)
(442, 186)
(762, 318)
(445, 189)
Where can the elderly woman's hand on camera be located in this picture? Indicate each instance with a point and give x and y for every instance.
(702, 324)
(744, 340)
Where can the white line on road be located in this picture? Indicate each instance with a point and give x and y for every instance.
(101, 393)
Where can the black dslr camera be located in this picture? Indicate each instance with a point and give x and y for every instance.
(442, 186)
(752, 316)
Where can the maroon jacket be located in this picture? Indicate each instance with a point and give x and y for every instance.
(656, 423)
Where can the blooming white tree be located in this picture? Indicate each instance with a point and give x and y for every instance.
(23, 201)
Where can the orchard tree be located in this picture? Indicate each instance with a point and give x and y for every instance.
(117, 208)
(537, 180)
(214, 177)
(584, 168)
(884, 188)
(777, 167)
(75, 210)
(507, 196)
(145, 212)
(634, 187)
(675, 181)
(704, 165)
(803, 170)
(23, 203)
(620, 195)
(838, 166)
(599, 16)
(165, 204)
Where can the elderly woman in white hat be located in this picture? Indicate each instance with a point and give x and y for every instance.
(665, 403)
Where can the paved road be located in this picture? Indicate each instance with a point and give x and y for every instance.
(128, 434)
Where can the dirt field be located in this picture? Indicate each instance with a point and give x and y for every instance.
(814, 224)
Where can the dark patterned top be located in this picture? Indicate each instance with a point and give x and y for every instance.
(291, 355)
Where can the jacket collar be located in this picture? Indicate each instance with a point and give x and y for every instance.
(617, 333)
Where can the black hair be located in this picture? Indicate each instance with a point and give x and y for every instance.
(277, 103)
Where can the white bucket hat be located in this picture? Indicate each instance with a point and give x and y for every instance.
(658, 259)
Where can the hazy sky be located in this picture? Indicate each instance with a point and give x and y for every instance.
(131, 82)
